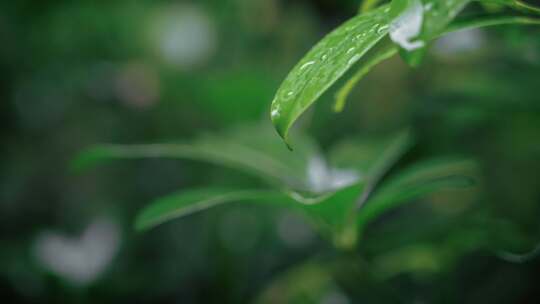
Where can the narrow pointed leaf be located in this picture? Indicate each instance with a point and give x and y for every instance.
(485, 21)
(328, 214)
(436, 16)
(388, 158)
(187, 202)
(334, 55)
(517, 5)
(520, 257)
(253, 150)
(417, 181)
(368, 5)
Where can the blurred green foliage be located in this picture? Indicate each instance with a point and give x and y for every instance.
(77, 73)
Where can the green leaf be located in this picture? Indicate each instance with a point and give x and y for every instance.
(325, 64)
(520, 257)
(332, 215)
(336, 53)
(251, 149)
(368, 5)
(484, 21)
(436, 15)
(328, 214)
(419, 180)
(386, 160)
(406, 27)
(306, 283)
(378, 159)
(517, 5)
(188, 202)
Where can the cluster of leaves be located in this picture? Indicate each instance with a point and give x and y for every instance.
(339, 202)
(339, 196)
(402, 26)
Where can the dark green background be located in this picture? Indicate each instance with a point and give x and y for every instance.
(77, 73)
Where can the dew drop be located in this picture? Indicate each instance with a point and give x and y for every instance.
(275, 113)
(354, 59)
(307, 64)
(382, 29)
(360, 36)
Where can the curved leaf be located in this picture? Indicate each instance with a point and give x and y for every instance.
(336, 53)
(309, 282)
(438, 14)
(417, 181)
(328, 214)
(386, 160)
(325, 64)
(252, 149)
(187, 202)
(520, 257)
(517, 5)
(368, 5)
(484, 21)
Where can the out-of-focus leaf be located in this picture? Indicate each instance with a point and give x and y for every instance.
(334, 213)
(384, 162)
(372, 158)
(324, 280)
(328, 214)
(520, 257)
(419, 180)
(344, 47)
(252, 149)
(484, 21)
(362, 153)
(368, 5)
(187, 202)
(325, 64)
(436, 15)
(517, 5)
(308, 283)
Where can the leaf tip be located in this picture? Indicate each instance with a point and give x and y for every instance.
(281, 126)
(339, 104)
(84, 160)
(141, 224)
(285, 136)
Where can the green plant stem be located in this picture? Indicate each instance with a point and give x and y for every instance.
(367, 5)
(525, 7)
(489, 21)
(343, 93)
